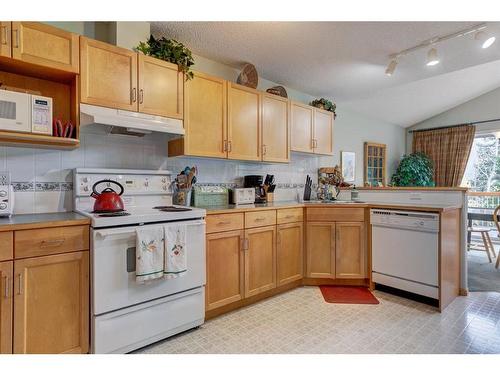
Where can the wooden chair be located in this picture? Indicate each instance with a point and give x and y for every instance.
(485, 235)
(495, 219)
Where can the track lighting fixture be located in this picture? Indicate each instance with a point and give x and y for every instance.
(391, 67)
(485, 39)
(432, 57)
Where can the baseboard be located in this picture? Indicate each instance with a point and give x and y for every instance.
(463, 292)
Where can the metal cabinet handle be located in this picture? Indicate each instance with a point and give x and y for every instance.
(260, 219)
(134, 95)
(6, 287)
(264, 150)
(224, 222)
(16, 45)
(230, 146)
(224, 146)
(245, 243)
(52, 243)
(289, 217)
(141, 96)
(20, 283)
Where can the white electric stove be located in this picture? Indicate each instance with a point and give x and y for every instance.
(126, 315)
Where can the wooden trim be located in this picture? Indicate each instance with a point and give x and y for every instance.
(309, 281)
(38, 140)
(464, 292)
(6, 307)
(484, 193)
(44, 224)
(436, 188)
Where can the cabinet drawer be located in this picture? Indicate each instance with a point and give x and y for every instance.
(6, 246)
(335, 214)
(224, 222)
(260, 218)
(290, 215)
(37, 242)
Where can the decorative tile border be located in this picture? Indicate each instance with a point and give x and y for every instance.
(42, 186)
(278, 186)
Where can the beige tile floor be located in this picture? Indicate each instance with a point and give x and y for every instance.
(299, 321)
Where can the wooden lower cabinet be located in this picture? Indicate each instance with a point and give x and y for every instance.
(51, 304)
(289, 253)
(225, 268)
(320, 244)
(350, 251)
(6, 269)
(260, 260)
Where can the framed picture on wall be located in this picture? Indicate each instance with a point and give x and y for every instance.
(348, 165)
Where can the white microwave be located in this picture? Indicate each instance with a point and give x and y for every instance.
(22, 112)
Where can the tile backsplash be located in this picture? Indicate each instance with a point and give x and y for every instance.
(43, 178)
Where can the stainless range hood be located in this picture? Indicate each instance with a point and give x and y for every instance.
(128, 122)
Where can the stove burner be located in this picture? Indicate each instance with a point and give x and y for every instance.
(113, 214)
(171, 208)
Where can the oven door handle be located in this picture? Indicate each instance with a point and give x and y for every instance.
(117, 231)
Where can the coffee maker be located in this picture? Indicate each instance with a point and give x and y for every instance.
(256, 182)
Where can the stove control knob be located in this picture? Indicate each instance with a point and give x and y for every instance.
(165, 187)
(3, 206)
(3, 193)
(85, 179)
(146, 183)
(164, 179)
(85, 188)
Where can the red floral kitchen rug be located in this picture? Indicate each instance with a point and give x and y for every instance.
(348, 294)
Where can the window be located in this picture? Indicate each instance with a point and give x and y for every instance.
(374, 164)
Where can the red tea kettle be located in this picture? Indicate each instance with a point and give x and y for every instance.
(107, 200)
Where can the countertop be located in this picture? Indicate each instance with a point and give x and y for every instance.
(213, 210)
(33, 221)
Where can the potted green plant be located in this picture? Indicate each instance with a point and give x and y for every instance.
(325, 104)
(414, 170)
(169, 50)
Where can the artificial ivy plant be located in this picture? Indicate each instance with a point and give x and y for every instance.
(414, 170)
(169, 50)
(325, 104)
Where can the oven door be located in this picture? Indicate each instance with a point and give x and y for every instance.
(113, 268)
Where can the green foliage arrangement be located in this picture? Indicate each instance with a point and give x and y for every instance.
(169, 50)
(414, 170)
(325, 104)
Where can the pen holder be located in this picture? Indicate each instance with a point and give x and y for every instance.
(182, 197)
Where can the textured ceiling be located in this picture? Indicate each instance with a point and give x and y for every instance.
(345, 61)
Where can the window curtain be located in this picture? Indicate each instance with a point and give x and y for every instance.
(449, 149)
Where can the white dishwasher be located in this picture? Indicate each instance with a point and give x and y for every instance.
(405, 250)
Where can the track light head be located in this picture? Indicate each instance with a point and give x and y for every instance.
(485, 39)
(389, 71)
(432, 57)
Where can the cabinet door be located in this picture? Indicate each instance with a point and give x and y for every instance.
(5, 39)
(275, 129)
(225, 268)
(244, 123)
(108, 75)
(323, 132)
(301, 127)
(6, 307)
(350, 251)
(51, 304)
(290, 253)
(41, 44)
(260, 260)
(160, 87)
(205, 115)
(320, 248)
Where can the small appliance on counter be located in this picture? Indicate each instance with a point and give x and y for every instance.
(257, 183)
(210, 196)
(6, 195)
(242, 196)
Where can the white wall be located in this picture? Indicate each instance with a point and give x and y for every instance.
(484, 107)
(44, 177)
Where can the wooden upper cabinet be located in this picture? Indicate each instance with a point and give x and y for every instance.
(161, 87)
(301, 127)
(45, 45)
(320, 239)
(205, 115)
(275, 129)
(350, 250)
(323, 132)
(289, 253)
(108, 75)
(225, 268)
(5, 39)
(244, 123)
(51, 304)
(260, 260)
(6, 307)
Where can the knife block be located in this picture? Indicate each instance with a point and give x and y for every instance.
(270, 197)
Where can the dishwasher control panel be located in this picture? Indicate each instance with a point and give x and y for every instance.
(428, 222)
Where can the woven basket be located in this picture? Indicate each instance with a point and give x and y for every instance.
(278, 90)
(248, 76)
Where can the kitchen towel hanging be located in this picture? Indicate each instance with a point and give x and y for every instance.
(175, 251)
(149, 254)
